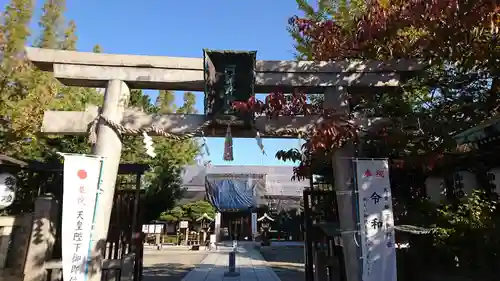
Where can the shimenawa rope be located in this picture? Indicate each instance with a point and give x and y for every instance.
(120, 130)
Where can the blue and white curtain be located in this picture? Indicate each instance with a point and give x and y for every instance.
(234, 193)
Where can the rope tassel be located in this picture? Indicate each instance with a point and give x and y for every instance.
(228, 145)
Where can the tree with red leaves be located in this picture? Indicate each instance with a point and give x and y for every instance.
(460, 89)
(451, 29)
(330, 131)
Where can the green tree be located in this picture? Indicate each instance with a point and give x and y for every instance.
(15, 29)
(165, 186)
(22, 91)
(471, 219)
(196, 209)
(190, 211)
(174, 215)
(165, 102)
(14, 33)
(189, 103)
(97, 49)
(26, 92)
(70, 37)
(51, 23)
(163, 191)
(138, 99)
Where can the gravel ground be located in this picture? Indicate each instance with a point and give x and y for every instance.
(169, 265)
(287, 262)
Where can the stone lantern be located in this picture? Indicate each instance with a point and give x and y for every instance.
(265, 226)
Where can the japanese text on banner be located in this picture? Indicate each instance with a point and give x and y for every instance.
(81, 180)
(377, 221)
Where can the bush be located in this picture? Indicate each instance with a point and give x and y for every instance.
(465, 241)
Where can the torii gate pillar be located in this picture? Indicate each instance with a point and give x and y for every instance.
(342, 171)
(109, 146)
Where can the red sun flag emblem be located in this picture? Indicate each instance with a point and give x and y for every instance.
(367, 173)
(82, 174)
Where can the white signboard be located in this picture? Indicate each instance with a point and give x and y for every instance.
(81, 180)
(183, 224)
(377, 227)
(158, 228)
(8, 186)
(152, 228)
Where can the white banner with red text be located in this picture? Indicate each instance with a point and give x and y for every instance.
(82, 176)
(377, 220)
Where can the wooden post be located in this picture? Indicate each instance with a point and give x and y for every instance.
(109, 146)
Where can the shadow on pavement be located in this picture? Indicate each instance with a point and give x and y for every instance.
(286, 261)
(166, 271)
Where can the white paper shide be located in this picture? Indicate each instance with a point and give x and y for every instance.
(81, 181)
(376, 215)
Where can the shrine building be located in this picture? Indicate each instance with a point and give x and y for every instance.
(239, 192)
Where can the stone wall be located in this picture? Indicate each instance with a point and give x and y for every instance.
(14, 239)
(26, 242)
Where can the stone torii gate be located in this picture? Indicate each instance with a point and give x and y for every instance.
(120, 73)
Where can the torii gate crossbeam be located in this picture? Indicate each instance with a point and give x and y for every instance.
(176, 73)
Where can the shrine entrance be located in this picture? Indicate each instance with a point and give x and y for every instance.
(236, 225)
(227, 78)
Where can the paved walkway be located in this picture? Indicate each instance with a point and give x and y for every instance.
(249, 263)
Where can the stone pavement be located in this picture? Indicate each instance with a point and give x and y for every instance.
(249, 263)
(169, 265)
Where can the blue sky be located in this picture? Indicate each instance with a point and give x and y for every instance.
(184, 28)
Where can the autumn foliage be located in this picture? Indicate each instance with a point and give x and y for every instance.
(404, 29)
(457, 37)
(331, 130)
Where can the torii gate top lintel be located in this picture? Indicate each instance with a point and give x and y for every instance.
(85, 69)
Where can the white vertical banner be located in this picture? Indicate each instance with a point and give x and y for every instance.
(81, 180)
(254, 225)
(218, 220)
(377, 220)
